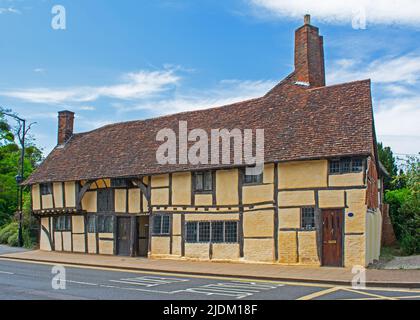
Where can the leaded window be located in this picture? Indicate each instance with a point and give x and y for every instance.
(203, 181)
(62, 223)
(105, 224)
(214, 232)
(161, 224)
(308, 218)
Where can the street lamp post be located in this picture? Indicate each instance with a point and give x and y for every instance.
(23, 130)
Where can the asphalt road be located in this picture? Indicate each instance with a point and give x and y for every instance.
(29, 281)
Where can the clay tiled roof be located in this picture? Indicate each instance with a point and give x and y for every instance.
(299, 122)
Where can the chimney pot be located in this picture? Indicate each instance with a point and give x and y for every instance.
(65, 126)
(307, 19)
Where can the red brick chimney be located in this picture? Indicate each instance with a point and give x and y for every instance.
(65, 126)
(309, 55)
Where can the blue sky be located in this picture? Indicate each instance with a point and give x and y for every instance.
(131, 59)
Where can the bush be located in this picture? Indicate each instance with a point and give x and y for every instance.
(396, 199)
(410, 215)
(13, 240)
(7, 231)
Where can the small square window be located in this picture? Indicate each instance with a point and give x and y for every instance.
(203, 181)
(357, 165)
(231, 232)
(161, 225)
(345, 166)
(191, 232)
(308, 218)
(105, 224)
(91, 224)
(46, 189)
(253, 179)
(63, 223)
(334, 166)
(217, 232)
(204, 232)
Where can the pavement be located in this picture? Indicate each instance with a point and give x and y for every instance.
(261, 272)
(29, 280)
(407, 263)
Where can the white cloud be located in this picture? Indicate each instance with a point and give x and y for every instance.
(405, 12)
(134, 85)
(9, 10)
(403, 70)
(226, 92)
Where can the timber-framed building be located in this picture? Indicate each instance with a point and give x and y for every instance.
(318, 201)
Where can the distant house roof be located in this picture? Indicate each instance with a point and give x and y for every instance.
(300, 122)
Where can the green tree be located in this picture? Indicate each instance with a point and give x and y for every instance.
(9, 168)
(386, 157)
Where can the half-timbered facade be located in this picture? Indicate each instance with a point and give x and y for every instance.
(316, 202)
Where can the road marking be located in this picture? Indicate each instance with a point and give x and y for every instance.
(238, 289)
(150, 281)
(83, 283)
(320, 293)
(5, 272)
(369, 294)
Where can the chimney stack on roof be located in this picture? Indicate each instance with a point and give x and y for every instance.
(65, 126)
(309, 55)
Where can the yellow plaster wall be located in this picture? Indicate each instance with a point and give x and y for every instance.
(160, 197)
(134, 201)
(92, 243)
(57, 243)
(227, 187)
(106, 247)
(355, 251)
(357, 205)
(78, 224)
(47, 201)
(331, 199)
(181, 189)
(258, 193)
(70, 190)
(58, 195)
(296, 198)
(225, 251)
(308, 253)
(176, 224)
(289, 218)
(268, 175)
(67, 241)
(303, 174)
(89, 201)
(36, 203)
(160, 181)
(176, 245)
(287, 247)
(203, 199)
(259, 224)
(44, 242)
(211, 217)
(160, 245)
(259, 250)
(197, 251)
(120, 200)
(346, 180)
(79, 243)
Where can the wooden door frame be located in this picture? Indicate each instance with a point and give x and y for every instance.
(118, 218)
(343, 212)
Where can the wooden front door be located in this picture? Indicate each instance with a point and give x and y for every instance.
(123, 236)
(332, 238)
(143, 236)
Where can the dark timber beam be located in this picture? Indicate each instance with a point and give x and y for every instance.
(81, 193)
